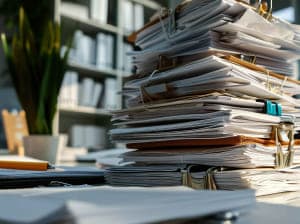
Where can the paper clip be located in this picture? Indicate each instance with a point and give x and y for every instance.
(271, 108)
(209, 180)
(189, 181)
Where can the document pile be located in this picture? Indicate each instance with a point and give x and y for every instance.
(211, 104)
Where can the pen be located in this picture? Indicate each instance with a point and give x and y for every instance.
(25, 165)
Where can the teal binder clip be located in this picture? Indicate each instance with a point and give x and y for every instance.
(272, 108)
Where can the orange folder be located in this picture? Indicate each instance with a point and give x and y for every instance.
(228, 141)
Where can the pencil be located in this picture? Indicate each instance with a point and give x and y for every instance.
(24, 165)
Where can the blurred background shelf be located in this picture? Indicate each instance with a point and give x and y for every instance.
(149, 4)
(82, 110)
(90, 25)
(78, 18)
(92, 70)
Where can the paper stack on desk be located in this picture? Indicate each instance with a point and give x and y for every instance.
(212, 88)
(264, 181)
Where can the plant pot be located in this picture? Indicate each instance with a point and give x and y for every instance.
(43, 147)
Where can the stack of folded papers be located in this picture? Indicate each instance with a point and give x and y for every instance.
(264, 181)
(212, 104)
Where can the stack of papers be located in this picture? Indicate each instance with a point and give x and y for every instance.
(238, 156)
(209, 75)
(264, 181)
(212, 88)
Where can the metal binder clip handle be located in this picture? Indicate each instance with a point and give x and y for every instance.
(279, 154)
(283, 160)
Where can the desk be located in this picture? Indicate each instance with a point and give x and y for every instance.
(87, 211)
(288, 198)
(261, 213)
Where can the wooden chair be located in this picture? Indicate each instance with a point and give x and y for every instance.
(15, 127)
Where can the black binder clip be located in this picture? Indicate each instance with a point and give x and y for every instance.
(271, 108)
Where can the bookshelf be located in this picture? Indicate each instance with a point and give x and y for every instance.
(92, 70)
(90, 25)
(84, 111)
(84, 115)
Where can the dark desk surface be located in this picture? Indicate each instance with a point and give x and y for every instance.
(265, 213)
(262, 213)
(274, 209)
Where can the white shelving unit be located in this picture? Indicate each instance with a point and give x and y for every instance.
(84, 111)
(86, 115)
(93, 71)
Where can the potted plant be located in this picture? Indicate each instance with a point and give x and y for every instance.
(37, 69)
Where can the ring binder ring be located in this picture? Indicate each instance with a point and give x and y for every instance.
(207, 183)
(209, 180)
(282, 159)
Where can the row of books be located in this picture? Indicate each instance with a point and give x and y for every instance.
(88, 136)
(97, 51)
(133, 16)
(212, 104)
(102, 12)
(87, 92)
(97, 10)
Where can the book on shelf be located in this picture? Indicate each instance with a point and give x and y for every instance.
(105, 51)
(110, 51)
(110, 94)
(128, 15)
(133, 16)
(90, 93)
(69, 89)
(101, 51)
(97, 92)
(86, 92)
(85, 48)
(75, 93)
(138, 16)
(99, 11)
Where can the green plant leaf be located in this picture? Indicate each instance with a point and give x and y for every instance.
(37, 71)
